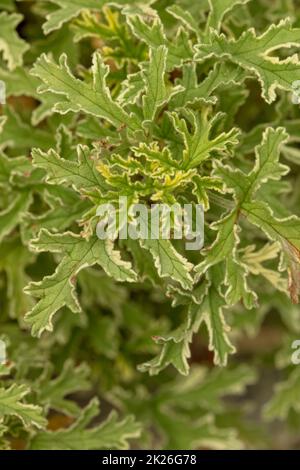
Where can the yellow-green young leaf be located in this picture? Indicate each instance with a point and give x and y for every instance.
(19, 82)
(58, 290)
(11, 45)
(92, 98)
(110, 434)
(12, 404)
(69, 9)
(218, 9)
(253, 54)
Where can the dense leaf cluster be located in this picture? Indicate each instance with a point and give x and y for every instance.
(159, 101)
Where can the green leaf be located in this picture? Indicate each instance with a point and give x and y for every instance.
(12, 46)
(93, 99)
(193, 91)
(199, 144)
(58, 290)
(218, 9)
(81, 175)
(14, 259)
(286, 231)
(204, 184)
(236, 280)
(179, 49)
(175, 345)
(253, 261)
(16, 133)
(202, 433)
(211, 387)
(14, 213)
(156, 93)
(7, 5)
(169, 262)
(208, 309)
(67, 10)
(12, 404)
(110, 434)
(185, 17)
(267, 167)
(10, 166)
(252, 53)
(224, 244)
(20, 82)
(277, 229)
(213, 315)
(285, 399)
(51, 393)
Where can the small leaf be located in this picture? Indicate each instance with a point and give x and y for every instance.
(218, 9)
(67, 10)
(12, 46)
(11, 404)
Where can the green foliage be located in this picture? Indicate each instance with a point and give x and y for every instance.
(170, 102)
(11, 45)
